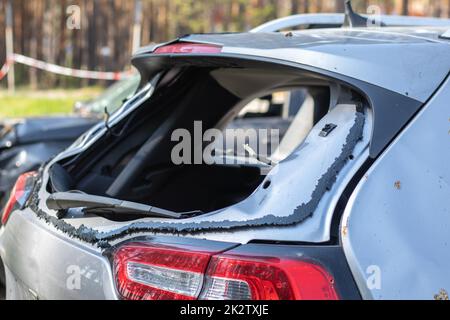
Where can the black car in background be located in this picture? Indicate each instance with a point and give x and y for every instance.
(27, 143)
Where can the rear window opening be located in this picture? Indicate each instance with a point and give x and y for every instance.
(155, 156)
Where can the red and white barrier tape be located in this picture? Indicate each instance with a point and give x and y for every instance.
(5, 68)
(53, 68)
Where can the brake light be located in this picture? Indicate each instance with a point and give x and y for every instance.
(238, 278)
(187, 47)
(146, 272)
(19, 194)
(156, 272)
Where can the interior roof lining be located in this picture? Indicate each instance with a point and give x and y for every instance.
(246, 81)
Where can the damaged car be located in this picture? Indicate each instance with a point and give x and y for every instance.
(158, 204)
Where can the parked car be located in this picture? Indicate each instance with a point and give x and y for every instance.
(355, 204)
(111, 99)
(26, 144)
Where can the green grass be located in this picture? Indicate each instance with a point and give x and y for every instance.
(25, 103)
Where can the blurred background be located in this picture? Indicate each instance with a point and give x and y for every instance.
(100, 35)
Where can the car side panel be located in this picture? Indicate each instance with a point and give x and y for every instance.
(396, 227)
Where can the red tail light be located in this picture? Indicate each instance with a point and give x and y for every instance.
(187, 47)
(19, 194)
(267, 279)
(145, 272)
(163, 273)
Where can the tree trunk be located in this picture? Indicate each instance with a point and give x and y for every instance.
(339, 5)
(405, 7)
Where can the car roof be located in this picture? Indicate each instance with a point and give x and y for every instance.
(411, 61)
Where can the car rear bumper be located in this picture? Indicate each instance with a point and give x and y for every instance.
(47, 264)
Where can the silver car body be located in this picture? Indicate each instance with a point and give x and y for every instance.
(397, 220)
(402, 231)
